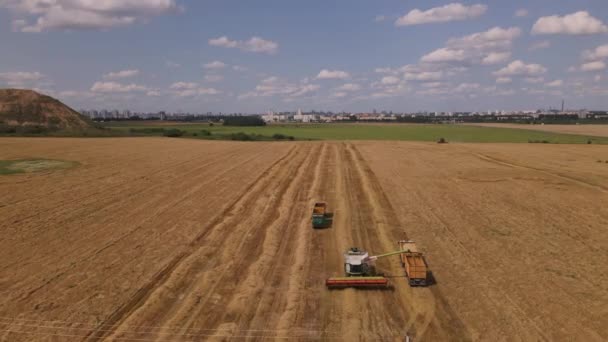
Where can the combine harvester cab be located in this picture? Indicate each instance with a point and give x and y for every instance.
(320, 217)
(414, 263)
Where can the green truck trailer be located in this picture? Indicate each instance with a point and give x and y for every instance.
(320, 217)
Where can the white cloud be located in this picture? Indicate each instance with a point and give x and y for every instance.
(390, 80)
(20, 78)
(519, 68)
(332, 74)
(115, 87)
(213, 78)
(305, 89)
(593, 66)
(597, 78)
(339, 94)
(379, 18)
(171, 64)
(496, 58)
(424, 76)
(239, 68)
(534, 80)
(540, 45)
(574, 24)
(153, 93)
(555, 84)
(503, 80)
(599, 52)
(444, 55)
(85, 14)
(274, 86)
(522, 12)
(215, 65)
(223, 41)
(184, 85)
(121, 74)
(466, 87)
(196, 92)
(254, 44)
(487, 47)
(349, 87)
(492, 39)
(450, 12)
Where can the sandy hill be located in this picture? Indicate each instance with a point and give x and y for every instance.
(20, 107)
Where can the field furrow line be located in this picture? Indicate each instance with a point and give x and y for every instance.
(141, 295)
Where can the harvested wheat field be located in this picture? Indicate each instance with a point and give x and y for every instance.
(598, 130)
(152, 239)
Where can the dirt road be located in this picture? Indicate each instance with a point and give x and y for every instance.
(180, 240)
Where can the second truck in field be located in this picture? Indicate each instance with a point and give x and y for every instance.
(320, 217)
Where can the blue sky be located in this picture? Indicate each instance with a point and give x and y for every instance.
(353, 55)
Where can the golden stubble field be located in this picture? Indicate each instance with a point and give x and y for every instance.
(153, 239)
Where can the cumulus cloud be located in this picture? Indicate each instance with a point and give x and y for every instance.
(574, 24)
(215, 65)
(503, 80)
(519, 68)
(522, 12)
(534, 80)
(213, 78)
(84, 14)
(115, 87)
(423, 76)
(188, 89)
(444, 55)
(332, 74)
(274, 86)
(21, 78)
(183, 85)
(600, 52)
(450, 12)
(349, 87)
(254, 44)
(390, 80)
(593, 66)
(496, 58)
(121, 74)
(487, 47)
(555, 84)
(496, 38)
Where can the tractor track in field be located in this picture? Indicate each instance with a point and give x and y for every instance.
(142, 224)
(142, 294)
(551, 173)
(129, 193)
(213, 241)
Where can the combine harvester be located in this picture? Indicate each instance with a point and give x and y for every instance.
(360, 270)
(320, 217)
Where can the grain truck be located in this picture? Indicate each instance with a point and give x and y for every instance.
(320, 217)
(414, 263)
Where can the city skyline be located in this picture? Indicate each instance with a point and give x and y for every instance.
(353, 56)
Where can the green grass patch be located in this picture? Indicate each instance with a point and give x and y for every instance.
(405, 132)
(8, 167)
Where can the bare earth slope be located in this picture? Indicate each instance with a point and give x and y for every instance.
(184, 240)
(592, 130)
(20, 107)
